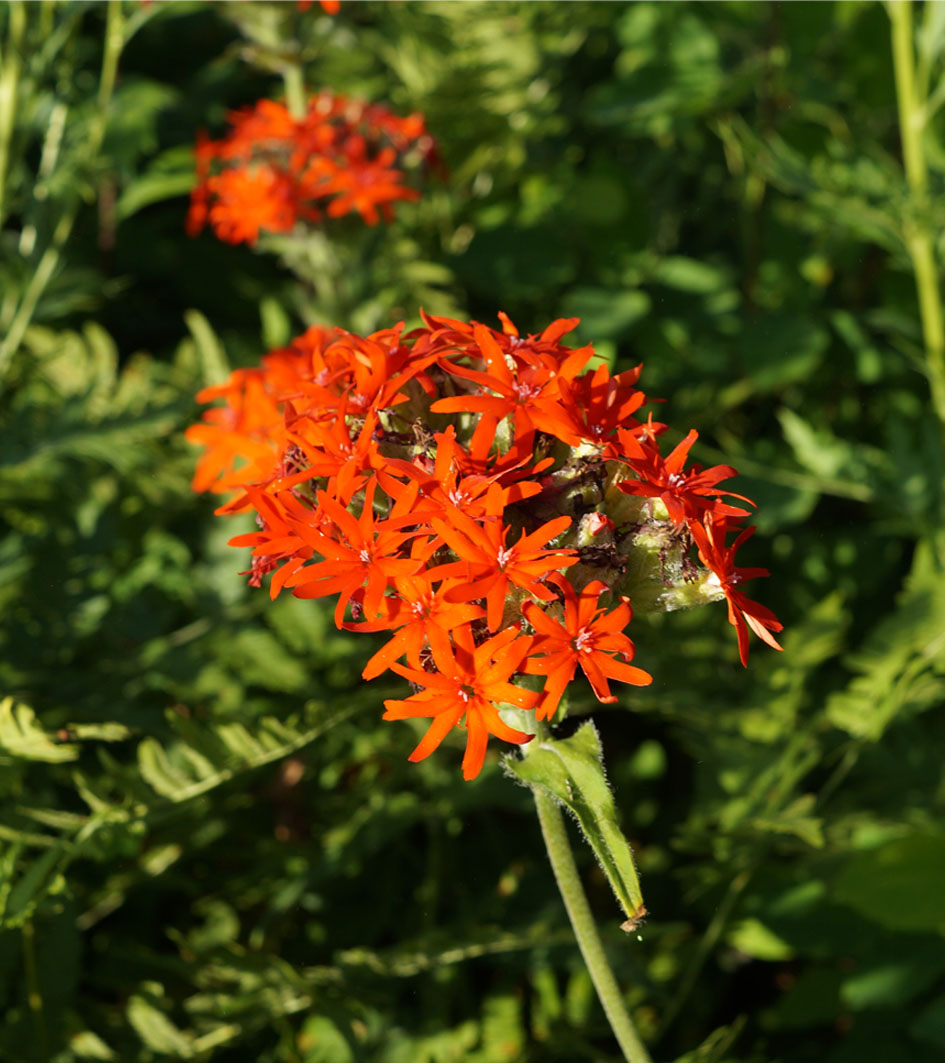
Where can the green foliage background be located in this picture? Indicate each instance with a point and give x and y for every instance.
(210, 846)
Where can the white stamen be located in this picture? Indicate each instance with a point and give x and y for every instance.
(584, 641)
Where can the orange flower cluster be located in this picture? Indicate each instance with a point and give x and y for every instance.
(475, 495)
(272, 170)
(330, 7)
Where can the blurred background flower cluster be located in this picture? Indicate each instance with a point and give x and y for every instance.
(211, 846)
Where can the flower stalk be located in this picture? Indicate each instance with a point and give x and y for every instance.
(555, 835)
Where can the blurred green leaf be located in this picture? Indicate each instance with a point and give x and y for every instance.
(208, 757)
(688, 275)
(156, 1030)
(22, 737)
(899, 884)
(930, 1023)
(605, 313)
(893, 982)
(780, 349)
(753, 938)
(88, 1045)
(212, 355)
(323, 1042)
(169, 176)
(900, 666)
(25, 892)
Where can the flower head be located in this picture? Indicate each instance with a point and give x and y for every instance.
(272, 170)
(505, 543)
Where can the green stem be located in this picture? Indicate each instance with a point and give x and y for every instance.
(294, 89)
(704, 949)
(9, 80)
(918, 238)
(555, 833)
(34, 995)
(114, 39)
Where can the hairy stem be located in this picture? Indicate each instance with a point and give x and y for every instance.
(555, 833)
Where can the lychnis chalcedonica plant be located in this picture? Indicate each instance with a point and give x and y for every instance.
(497, 509)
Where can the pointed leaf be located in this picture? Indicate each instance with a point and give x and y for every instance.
(22, 737)
(572, 771)
(216, 368)
(156, 1030)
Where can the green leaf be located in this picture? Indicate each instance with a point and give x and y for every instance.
(156, 1030)
(572, 771)
(323, 1042)
(895, 981)
(263, 660)
(689, 275)
(779, 349)
(753, 938)
(715, 1048)
(276, 324)
(23, 738)
(813, 1000)
(213, 358)
(207, 757)
(169, 176)
(605, 313)
(900, 666)
(103, 732)
(899, 885)
(31, 887)
(88, 1045)
(818, 450)
(796, 820)
(930, 1025)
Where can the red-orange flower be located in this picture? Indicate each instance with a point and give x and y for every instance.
(592, 407)
(742, 611)
(516, 394)
(421, 617)
(686, 495)
(361, 187)
(470, 683)
(274, 169)
(245, 202)
(476, 495)
(278, 547)
(489, 567)
(587, 637)
(366, 553)
(241, 439)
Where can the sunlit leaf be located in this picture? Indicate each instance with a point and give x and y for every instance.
(572, 771)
